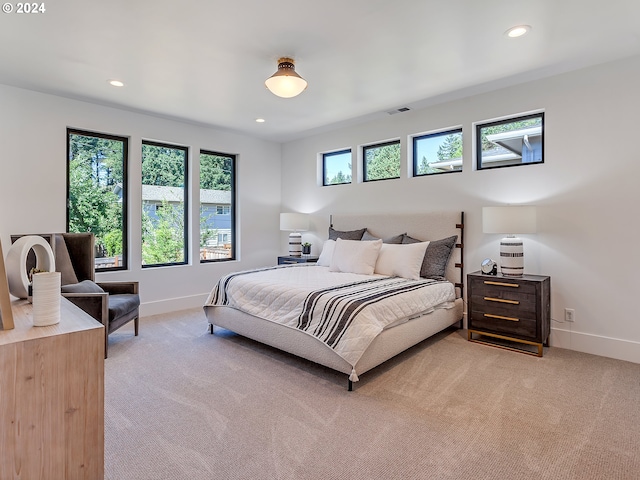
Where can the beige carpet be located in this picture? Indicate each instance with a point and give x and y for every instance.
(184, 404)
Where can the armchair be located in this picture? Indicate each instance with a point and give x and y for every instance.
(113, 304)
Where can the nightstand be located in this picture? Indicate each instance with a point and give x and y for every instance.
(516, 309)
(303, 259)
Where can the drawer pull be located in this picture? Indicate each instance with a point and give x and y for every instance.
(502, 300)
(501, 284)
(500, 317)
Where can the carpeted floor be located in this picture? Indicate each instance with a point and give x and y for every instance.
(184, 404)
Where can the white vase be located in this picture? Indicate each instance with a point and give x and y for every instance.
(46, 299)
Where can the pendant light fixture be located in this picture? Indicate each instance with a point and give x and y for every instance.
(286, 83)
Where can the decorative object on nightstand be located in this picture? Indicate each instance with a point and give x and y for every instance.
(512, 309)
(489, 267)
(294, 223)
(16, 263)
(511, 220)
(306, 248)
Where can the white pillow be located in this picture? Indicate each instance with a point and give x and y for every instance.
(324, 260)
(354, 256)
(401, 260)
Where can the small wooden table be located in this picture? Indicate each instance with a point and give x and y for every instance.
(52, 406)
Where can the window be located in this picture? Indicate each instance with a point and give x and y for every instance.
(437, 153)
(336, 167)
(97, 193)
(164, 204)
(510, 142)
(217, 206)
(381, 161)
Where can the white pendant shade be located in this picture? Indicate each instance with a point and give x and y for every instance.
(286, 83)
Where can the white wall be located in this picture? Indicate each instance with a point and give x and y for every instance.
(33, 187)
(586, 192)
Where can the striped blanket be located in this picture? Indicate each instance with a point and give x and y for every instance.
(344, 311)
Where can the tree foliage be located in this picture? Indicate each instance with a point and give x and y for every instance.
(163, 165)
(163, 236)
(216, 172)
(383, 162)
(95, 172)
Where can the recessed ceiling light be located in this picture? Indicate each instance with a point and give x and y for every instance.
(260, 120)
(116, 83)
(517, 31)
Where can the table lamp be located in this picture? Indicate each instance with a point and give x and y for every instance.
(294, 223)
(510, 220)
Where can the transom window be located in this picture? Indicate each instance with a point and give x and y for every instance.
(437, 153)
(381, 161)
(336, 167)
(510, 142)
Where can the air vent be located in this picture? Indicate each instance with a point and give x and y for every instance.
(398, 110)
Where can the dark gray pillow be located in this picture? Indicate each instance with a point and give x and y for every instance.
(396, 239)
(346, 235)
(435, 260)
(85, 286)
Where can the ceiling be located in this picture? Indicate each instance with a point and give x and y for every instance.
(205, 61)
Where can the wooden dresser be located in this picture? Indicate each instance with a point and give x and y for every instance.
(516, 309)
(52, 397)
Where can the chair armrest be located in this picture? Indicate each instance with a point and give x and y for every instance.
(118, 288)
(95, 304)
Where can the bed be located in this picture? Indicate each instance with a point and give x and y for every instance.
(389, 336)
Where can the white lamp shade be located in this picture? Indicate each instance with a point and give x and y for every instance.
(294, 222)
(509, 219)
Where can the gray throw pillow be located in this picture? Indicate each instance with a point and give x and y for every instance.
(346, 235)
(396, 239)
(85, 286)
(435, 260)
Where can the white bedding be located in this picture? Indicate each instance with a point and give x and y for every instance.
(345, 311)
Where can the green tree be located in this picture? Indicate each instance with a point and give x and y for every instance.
(163, 237)
(451, 147)
(163, 166)
(96, 169)
(338, 178)
(383, 162)
(215, 172)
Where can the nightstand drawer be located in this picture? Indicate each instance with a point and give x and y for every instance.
(507, 324)
(506, 303)
(498, 286)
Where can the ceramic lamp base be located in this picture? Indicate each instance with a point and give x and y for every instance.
(295, 244)
(511, 257)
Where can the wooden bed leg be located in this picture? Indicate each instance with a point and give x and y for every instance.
(350, 388)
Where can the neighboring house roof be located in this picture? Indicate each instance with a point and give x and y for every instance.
(156, 193)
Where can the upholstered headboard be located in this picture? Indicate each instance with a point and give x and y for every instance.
(422, 226)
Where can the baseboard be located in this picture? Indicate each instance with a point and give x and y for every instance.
(172, 304)
(596, 345)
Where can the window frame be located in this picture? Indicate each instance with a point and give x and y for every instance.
(324, 166)
(511, 119)
(125, 191)
(440, 133)
(185, 232)
(364, 150)
(232, 207)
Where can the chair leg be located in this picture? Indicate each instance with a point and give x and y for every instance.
(135, 326)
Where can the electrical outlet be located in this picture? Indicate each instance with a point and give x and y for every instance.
(569, 315)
